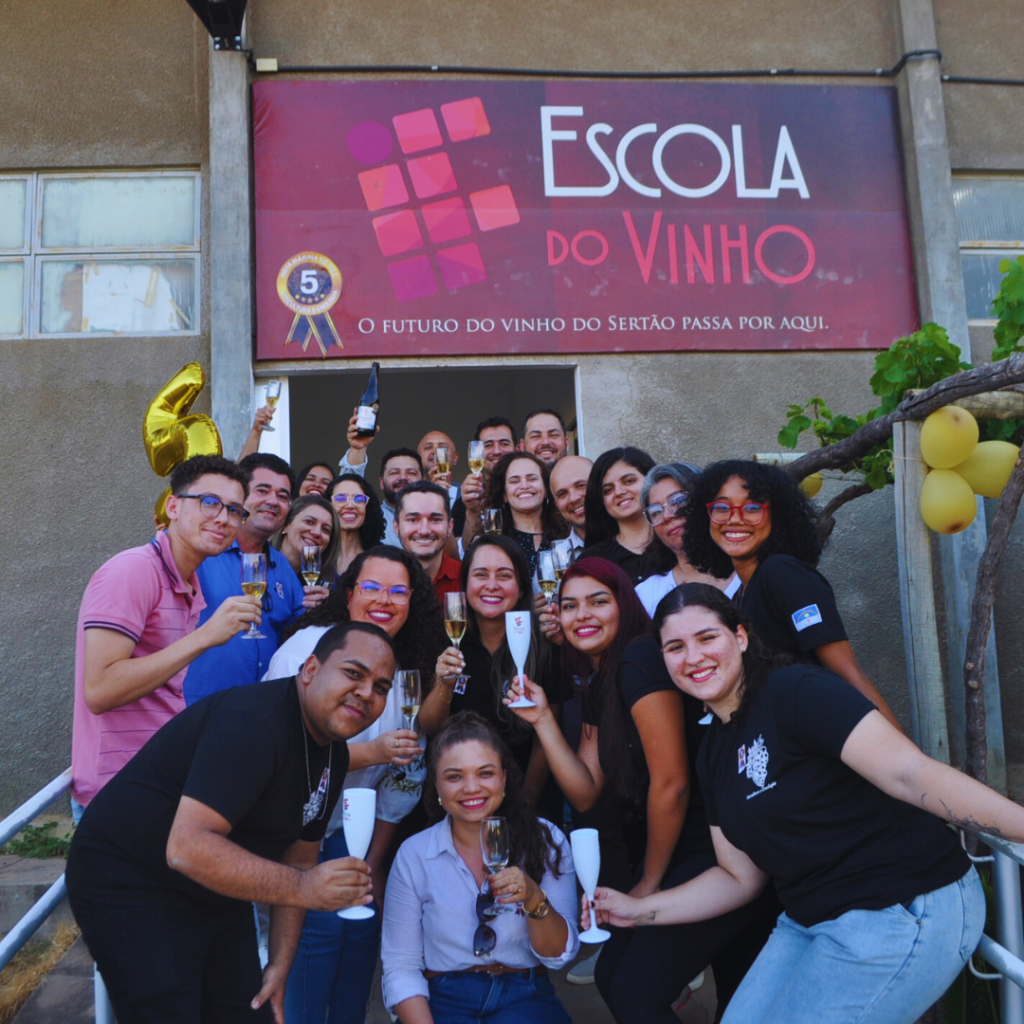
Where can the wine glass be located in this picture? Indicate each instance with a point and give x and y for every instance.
(492, 520)
(547, 575)
(562, 556)
(442, 460)
(586, 858)
(494, 844)
(409, 691)
(254, 584)
(455, 617)
(517, 633)
(476, 456)
(359, 816)
(273, 397)
(310, 563)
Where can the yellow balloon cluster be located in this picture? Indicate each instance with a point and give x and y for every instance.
(810, 485)
(171, 435)
(960, 469)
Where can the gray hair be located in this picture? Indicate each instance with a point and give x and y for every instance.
(684, 473)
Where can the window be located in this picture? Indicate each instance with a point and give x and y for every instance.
(990, 223)
(114, 253)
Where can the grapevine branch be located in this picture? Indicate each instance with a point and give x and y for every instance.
(826, 522)
(1004, 374)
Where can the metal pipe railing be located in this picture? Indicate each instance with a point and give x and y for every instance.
(34, 806)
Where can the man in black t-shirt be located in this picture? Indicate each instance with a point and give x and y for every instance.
(225, 805)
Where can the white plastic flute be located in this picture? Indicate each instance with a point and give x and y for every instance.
(358, 818)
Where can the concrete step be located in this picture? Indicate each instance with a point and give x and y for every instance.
(23, 880)
(65, 995)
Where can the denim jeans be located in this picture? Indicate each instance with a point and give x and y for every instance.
(464, 998)
(879, 966)
(332, 974)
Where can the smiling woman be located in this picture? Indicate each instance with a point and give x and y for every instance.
(310, 521)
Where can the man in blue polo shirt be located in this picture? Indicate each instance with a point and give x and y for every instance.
(241, 661)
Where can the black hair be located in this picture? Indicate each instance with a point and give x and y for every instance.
(422, 638)
(264, 460)
(531, 844)
(794, 519)
(424, 487)
(301, 475)
(758, 662)
(394, 453)
(337, 637)
(543, 412)
(329, 556)
(496, 421)
(371, 532)
(600, 524)
(188, 472)
(553, 526)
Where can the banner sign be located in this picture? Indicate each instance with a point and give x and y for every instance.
(437, 218)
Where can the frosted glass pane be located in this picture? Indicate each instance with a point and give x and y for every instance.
(12, 297)
(122, 297)
(989, 209)
(12, 214)
(981, 283)
(95, 213)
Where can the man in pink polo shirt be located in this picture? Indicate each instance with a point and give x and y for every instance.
(137, 624)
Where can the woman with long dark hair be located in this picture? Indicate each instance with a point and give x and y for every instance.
(754, 519)
(360, 515)
(460, 943)
(314, 478)
(807, 783)
(311, 520)
(519, 487)
(616, 528)
(496, 580)
(640, 741)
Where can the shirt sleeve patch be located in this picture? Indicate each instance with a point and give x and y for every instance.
(806, 617)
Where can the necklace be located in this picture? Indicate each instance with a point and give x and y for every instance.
(316, 805)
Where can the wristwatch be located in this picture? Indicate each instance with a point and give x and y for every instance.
(541, 910)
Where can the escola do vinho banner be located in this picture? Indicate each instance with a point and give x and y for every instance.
(423, 218)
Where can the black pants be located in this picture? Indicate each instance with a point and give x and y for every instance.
(641, 971)
(165, 958)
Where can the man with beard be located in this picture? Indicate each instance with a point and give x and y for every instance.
(498, 437)
(544, 436)
(399, 468)
(242, 661)
(423, 523)
(568, 486)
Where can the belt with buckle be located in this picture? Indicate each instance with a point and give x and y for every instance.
(540, 969)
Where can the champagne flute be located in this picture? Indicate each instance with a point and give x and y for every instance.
(273, 397)
(359, 816)
(517, 633)
(455, 617)
(494, 844)
(254, 584)
(492, 520)
(476, 456)
(562, 556)
(547, 574)
(586, 858)
(310, 563)
(409, 692)
(442, 460)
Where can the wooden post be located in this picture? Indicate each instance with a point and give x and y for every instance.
(917, 596)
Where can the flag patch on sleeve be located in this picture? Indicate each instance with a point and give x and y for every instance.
(809, 616)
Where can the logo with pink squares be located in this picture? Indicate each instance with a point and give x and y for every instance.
(428, 175)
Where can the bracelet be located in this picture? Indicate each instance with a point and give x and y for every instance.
(451, 695)
(541, 910)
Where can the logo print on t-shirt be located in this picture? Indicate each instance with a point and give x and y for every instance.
(757, 763)
(805, 617)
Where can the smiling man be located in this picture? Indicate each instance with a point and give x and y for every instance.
(244, 660)
(226, 804)
(137, 626)
(399, 468)
(544, 435)
(568, 486)
(423, 523)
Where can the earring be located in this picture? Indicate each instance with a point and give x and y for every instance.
(438, 797)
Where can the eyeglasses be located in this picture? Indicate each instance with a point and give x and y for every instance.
(371, 589)
(359, 499)
(751, 512)
(672, 508)
(484, 939)
(210, 505)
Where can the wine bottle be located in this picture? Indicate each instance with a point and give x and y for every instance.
(369, 406)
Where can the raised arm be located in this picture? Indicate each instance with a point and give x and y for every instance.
(252, 442)
(888, 760)
(838, 657)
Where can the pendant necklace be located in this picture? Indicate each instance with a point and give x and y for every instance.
(316, 805)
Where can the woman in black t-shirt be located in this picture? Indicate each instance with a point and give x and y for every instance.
(640, 739)
(754, 519)
(807, 784)
(616, 528)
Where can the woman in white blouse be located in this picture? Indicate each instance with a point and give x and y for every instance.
(459, 943)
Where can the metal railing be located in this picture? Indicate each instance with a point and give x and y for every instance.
(16, 938)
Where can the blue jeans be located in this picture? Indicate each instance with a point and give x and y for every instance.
(465, 998)
(332, 974)
(879, 966)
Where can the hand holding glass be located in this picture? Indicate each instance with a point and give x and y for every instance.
(494, 844)
(358, 819)
(273, 397)
(586, 857)
(254, 584)
(517, 633)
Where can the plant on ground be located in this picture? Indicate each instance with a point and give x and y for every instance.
(39, 841)
(20, 978)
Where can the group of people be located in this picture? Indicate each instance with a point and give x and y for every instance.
(694, 697)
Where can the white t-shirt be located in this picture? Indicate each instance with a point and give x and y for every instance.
(654, 588)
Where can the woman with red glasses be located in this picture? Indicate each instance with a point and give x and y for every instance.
(362, 522)
(755, 520)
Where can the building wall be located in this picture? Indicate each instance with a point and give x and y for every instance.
(119, 84)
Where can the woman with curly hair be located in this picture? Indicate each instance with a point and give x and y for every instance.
(616, 528)
(754, 519)
(362, 521)
(459, 942)
(334, 966)
(519, 487)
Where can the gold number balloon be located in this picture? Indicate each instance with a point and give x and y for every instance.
(169, 433)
